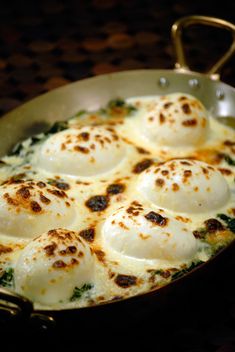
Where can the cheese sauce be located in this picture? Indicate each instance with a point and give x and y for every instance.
(116, 202)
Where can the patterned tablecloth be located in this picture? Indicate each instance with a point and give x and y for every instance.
(46, 44)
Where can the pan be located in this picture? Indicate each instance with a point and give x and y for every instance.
(35, 117)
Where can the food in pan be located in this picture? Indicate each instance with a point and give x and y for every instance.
(116, 202)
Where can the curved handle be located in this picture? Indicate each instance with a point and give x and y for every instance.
(184, 22)
(17, 306)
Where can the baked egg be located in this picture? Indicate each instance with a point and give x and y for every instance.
(116, 202)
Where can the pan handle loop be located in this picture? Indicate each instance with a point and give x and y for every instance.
(14, 306)
(177, 30)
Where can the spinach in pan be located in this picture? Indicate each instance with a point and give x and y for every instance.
(78, 292)
(7, 277)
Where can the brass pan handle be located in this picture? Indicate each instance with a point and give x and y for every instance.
(181, 24)
(17, 306)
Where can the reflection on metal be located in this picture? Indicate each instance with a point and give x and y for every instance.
(194, 83)
(163, 82)
(220, 94)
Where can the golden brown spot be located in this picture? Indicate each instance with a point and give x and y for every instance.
(187, 173)
(5, 249)
(84, 136)
(189, 123)
(35, 207)
(69, 250)
(61, 185)
(156, 218)
(88, 234)
(205, 171)
(50, 249)
(229, 143)
(55, 192)
(100, 255)
(224, 171)
(125, 281)
(186, 108)
(44, 199)
(183, 219)
(213, 225)
(167, 105)
(144, 237)
(195, 189)
(182, 98)
(41, 184)
(79, 148)
(97, 203)
(123, 226)
(142, 165)
(23, 192)
(164, 172)
(59, 264)
(162, 118)
(185, 163)
(142, 150)
(160, 182)
(63, 147)
(115, 188)
(175, 187)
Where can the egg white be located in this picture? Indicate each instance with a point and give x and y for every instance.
(123, 243)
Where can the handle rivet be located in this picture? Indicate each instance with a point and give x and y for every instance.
(194, 83)
(163, 82)
(219, 94)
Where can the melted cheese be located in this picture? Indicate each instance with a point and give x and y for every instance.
(146, 234)
(51, 265)
(183, 185)
(82, 151)
(128, 188)
(27, 208)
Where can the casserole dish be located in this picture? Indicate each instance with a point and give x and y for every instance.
(64, 102)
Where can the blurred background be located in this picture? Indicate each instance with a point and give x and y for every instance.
(47, 44)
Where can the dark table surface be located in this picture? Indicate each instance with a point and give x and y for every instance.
(46, 44)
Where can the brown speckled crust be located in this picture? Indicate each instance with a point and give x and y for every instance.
(30, 196)
(142, 165)
(100, 255)
(156, 218)
(97, 203)
(5, 249)
(213, 225)
(125, 281)
(115, 188)
(88, 234)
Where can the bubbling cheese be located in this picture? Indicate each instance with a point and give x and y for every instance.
(27, 208)
(51, 265)
(82, 151)
(175, 120)
(184, 185)
(141, 233)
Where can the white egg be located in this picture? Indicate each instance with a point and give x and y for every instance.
(27, 208)
(52, 265)
(175, 120)
(141, 233)
(83, 151)
(183, 185)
